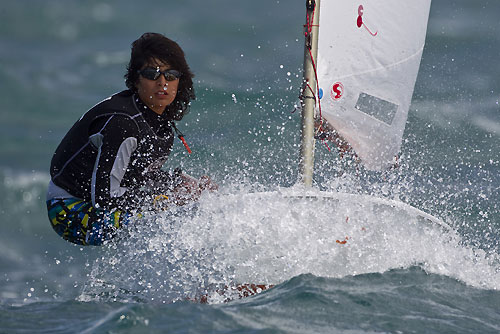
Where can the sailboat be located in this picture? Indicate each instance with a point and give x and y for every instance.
(361, 62)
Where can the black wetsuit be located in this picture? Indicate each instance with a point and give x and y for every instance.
(112, 155)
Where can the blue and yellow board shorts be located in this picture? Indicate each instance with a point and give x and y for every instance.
(79, 222)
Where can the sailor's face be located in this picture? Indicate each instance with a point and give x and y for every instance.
(158, 93)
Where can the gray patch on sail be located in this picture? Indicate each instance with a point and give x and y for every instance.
(380, 109)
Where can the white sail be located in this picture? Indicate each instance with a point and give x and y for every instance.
(368, 58)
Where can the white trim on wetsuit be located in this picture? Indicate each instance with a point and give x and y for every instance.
(127, 147)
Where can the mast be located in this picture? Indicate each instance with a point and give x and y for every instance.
(309, 92)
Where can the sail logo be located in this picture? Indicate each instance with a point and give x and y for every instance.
(337, 91)
(360, 22)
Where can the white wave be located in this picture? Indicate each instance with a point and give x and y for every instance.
(268, 238)
(487, 124)
(16, 180)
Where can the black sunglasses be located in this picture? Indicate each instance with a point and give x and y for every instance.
(151, 73)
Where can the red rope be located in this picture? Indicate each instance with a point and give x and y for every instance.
(317, 82)
(310, 21)
(185, 144)
(308, 31)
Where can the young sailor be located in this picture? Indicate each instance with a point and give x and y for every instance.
(107, 167)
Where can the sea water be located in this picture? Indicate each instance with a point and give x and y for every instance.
(336, 266)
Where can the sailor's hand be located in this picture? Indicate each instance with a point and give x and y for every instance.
(189, 189)
(206, 183)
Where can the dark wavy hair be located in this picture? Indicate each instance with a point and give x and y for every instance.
(153, 45)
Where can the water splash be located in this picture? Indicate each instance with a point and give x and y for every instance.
(271, 237)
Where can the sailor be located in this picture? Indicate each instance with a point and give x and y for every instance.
(108, 166)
